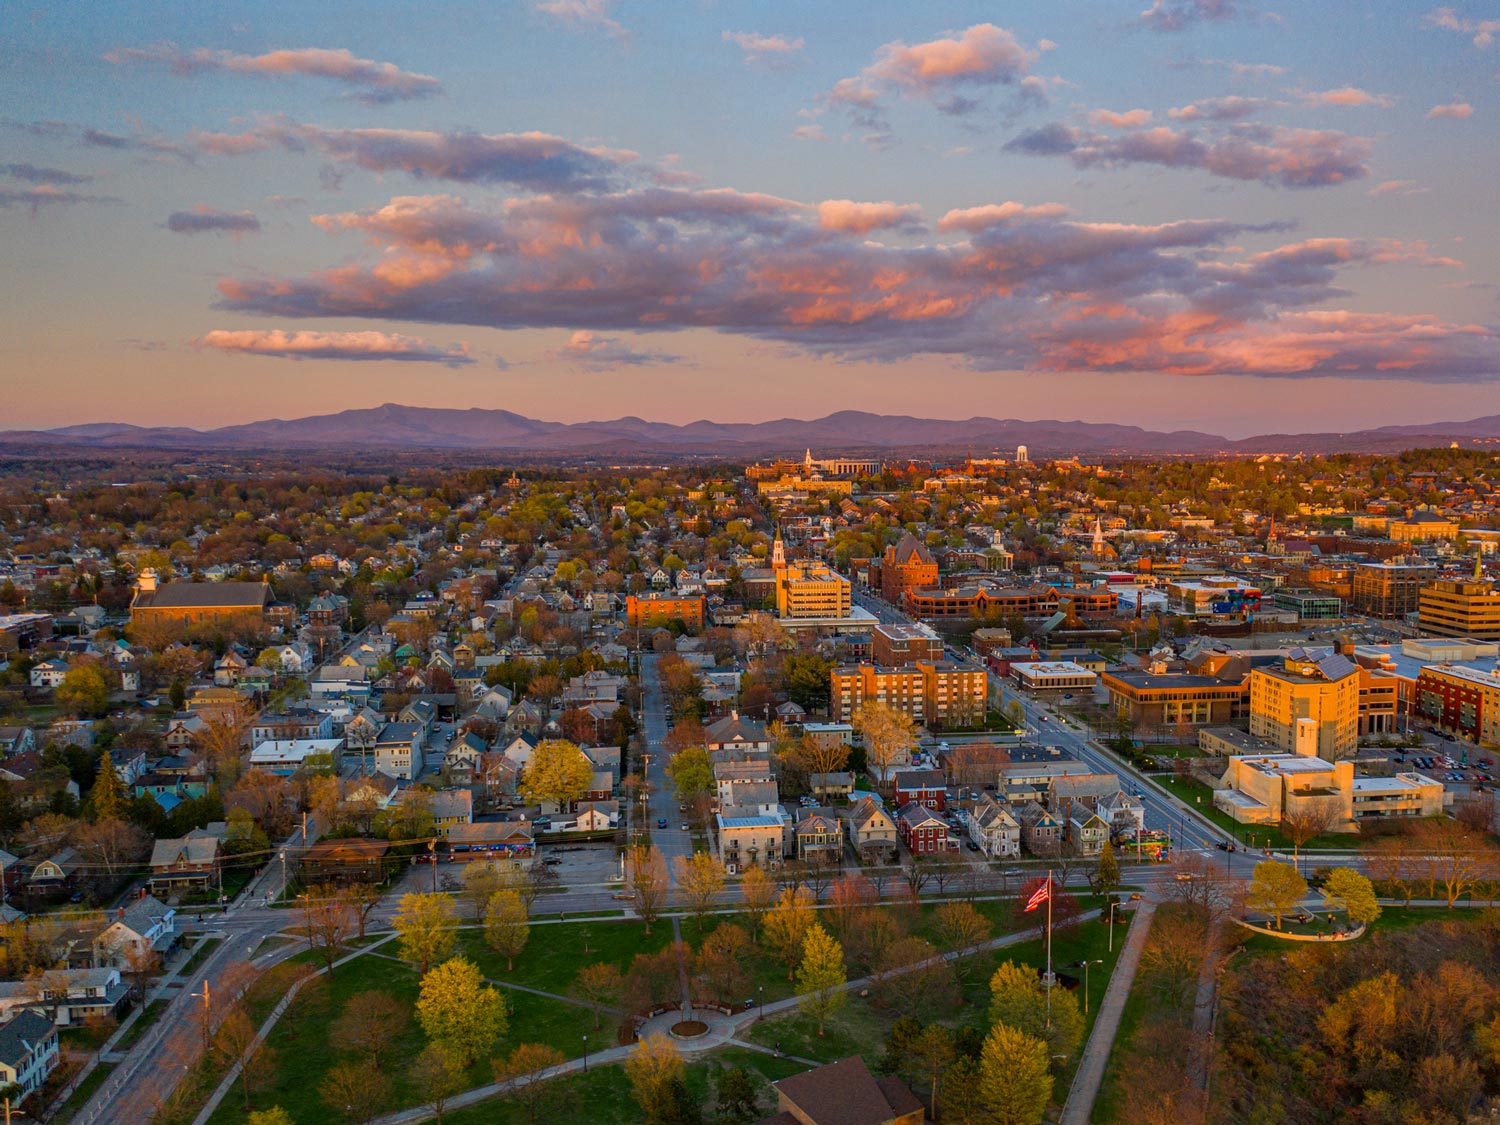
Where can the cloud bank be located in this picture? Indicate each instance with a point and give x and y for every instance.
(334, 345)
(373, 82)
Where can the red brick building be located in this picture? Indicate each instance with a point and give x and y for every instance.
(907, 565)
(928, 788)
(923, 832)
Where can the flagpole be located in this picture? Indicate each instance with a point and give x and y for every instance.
(1049, 949)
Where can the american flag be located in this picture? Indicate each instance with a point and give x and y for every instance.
(1039, 896)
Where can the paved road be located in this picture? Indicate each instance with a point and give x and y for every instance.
(672, 840)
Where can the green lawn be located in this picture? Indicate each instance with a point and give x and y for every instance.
(143, 1022)
(1200, 798)
(554, 953)
(79, 1097)
(600, 1097)
(303, 1055)
(200, 955)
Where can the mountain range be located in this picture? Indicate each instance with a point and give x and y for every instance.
(849, 431)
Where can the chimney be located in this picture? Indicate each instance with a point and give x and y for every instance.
(122, 913)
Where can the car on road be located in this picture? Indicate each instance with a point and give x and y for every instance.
(623, 896)
(661, 822)
(685, 828)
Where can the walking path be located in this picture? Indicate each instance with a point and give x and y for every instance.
(1087, 1079)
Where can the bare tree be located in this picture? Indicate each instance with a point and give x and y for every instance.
(647, 871)
(1308, 817)
(328, 918)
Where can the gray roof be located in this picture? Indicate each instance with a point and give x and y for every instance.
(20, 1037)
(203, 595)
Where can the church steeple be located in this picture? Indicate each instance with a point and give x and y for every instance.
(778, 552)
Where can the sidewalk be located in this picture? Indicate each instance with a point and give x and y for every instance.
(1079, 1108)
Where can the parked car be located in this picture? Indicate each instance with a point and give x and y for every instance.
(661, 822)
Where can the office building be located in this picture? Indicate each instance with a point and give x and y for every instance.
(1312, 697)
(1390, 589)
(1456, 608)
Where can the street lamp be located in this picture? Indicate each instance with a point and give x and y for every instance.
(585, 1054)
(760, 1000)
(1085, 965)
(1112, 907)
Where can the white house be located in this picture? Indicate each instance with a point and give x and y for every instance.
(49, 673)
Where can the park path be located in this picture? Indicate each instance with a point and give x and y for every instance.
(1079, 1108)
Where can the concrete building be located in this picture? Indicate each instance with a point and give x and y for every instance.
(1053, 675)
(808, 590)
(1457, 608)
(1390, 589)
(1265, 789)
(1313, 695)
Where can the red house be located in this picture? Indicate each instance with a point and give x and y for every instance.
(922, 832)
(928, 788)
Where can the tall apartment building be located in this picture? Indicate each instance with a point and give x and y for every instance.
(1390, 589)
(894, 645)
(1457, 608)
(660, 606)
(1466, 700)
(812, 589)
(930, 691)
(907, 565)
(1313, 694)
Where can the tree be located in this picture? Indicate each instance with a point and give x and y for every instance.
(1018, 1000)
(459, 1011)
(700, 878)
(821, 976)
(1107, 876)
(327, 921)
(932, 1053)
(437, 1077)
(738, 1101)
(108, 799)
(84, 691)
(110, 844)
(368, 1025)
(1308, 817)
(961, 927)
(425, 923)
(819, 756)
(598, 985)
(757, 892)
(523, 1070)
(652, 1067)
(888, 735)
(1352, 892)
(481, 881)
(1451, 856)
(1275, 888)
(960, 1100)
(692, 774)
(646, 869)
(558, 772)
(1015, 1079)
(236, 1043)
(506, 926)
(787, 924)
(357, 1090)
(273, 1116)
(721, 964)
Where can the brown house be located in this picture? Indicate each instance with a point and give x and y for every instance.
(187, 603)
(844, 1093)
(352, 860)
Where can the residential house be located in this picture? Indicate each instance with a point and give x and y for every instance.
(872, 831)
(398, 749)
(451, 807)
(1041, 831)
(61, 871)
(66, 996)
(922, 831)
(836, 783)
(819, 839)
(144, 926)
(285, 757)
(1088, 832)
(844, 1093)
(350, 860)
(190, 861)
(923, 787)
(750, 841)
(733, 738)
(28, 1052)
(994, 829)
(16, 740)
(49, 673)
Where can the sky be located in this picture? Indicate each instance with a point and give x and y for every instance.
(1210, 214)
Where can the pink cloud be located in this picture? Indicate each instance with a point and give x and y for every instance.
(1177, 15)
(1454, 110)
(1230, 108)
(600, 353)
(1350, 96)
(584, 13)
(1130, 119)
(974, 219)
(207, 220)
(376, 81)
(334, 345)
(1396, 187)
(768, 49)
(1483, 31)
(862, 218)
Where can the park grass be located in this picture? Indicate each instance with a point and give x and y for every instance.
(554, 953)
(200, 955)
(601, 1097)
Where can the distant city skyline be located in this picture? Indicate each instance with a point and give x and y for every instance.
(1207, 214)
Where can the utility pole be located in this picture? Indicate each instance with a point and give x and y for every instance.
(206, 1027)
(432, 848)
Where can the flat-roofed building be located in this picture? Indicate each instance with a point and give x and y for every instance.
(1267, 788)
(903, 644)
(1313, 693)
(930, 691)
(658, 607)
(1309, 605)
(1464, 700)
(1459, 608)
(1390, 589)
(1170, 698)
(1053, 675)
(806, 590)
